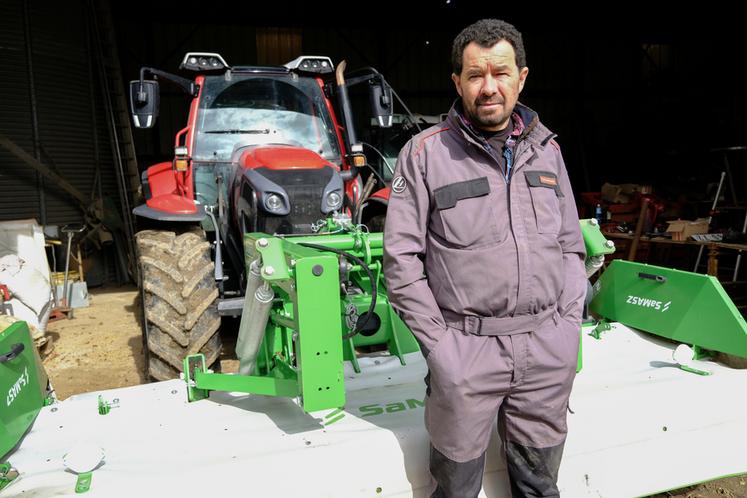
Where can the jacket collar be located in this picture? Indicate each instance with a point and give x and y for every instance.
(526, 125)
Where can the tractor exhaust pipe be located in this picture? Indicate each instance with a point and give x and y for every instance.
(356, 159)
(343, 101)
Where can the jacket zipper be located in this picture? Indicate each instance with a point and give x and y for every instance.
(508, 155)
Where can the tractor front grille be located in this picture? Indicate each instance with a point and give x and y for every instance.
(304, 188)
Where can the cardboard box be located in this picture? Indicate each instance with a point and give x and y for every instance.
(613, 194)
(624, 193)
(683, 229)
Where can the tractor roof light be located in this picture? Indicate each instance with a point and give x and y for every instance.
(312, 63)
(203, 61)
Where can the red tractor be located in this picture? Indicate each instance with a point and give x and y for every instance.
(266, 149)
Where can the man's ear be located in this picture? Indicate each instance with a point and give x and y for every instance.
(457, 83)
(523, 77)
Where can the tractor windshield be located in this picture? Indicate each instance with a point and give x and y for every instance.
(261, 110)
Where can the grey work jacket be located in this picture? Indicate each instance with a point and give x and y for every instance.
(466, 247)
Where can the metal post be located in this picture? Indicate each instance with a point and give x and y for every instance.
(94, 120)
(638, 229)
(96, 34)
(65, 300)
(713, 207)
(34, 117)
(739, 254)
(69, 230)
(730, 178)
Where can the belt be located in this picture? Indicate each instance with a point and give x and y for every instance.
(490, 325)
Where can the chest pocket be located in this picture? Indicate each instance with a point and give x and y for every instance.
(466, 212)
(545, 191)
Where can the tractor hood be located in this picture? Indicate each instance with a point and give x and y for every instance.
(285, 189)
(280, 157)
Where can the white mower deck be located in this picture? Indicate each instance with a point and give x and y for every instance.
(639, 425)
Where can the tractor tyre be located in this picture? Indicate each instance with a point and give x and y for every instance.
(180, 313)
(376, 223)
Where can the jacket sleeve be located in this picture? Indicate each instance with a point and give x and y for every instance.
(571, 300)
(404, 252)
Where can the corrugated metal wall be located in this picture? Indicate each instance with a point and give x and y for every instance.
(18, 186)
(46, 73)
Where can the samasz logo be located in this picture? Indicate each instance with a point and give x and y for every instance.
(649, 303)
(15, 389)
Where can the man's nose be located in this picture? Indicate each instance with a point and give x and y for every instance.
(490, 85)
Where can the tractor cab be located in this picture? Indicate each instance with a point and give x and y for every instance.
(266, 148)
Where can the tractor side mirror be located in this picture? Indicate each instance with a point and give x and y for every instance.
(380, 94)
(144, 100)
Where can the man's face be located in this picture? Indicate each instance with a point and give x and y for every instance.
(490, 84)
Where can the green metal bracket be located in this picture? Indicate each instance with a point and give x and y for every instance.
(702, 353)
(255, 384)
(694, 370)
(83, 483)
(686, 307)
(274, 266)
(194, 364)
(319, 344)
(303, 350)
(594, 240)
(7, 475)
(23, 383)
(684, 355)
(603, 326)
(348, 351)
(106, 406)
(401, 341)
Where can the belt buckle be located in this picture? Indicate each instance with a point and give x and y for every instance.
(472, 324)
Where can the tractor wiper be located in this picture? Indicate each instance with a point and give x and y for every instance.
(240, 132)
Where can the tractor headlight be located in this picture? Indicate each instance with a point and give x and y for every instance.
(273, 202)
(334, 200)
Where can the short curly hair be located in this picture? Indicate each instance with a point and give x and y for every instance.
(486, 33)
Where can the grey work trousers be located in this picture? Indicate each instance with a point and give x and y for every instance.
(524, 380)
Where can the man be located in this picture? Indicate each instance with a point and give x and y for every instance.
(483, 258)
